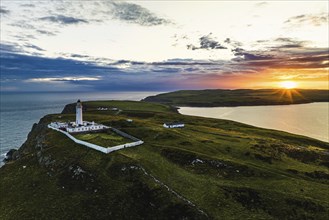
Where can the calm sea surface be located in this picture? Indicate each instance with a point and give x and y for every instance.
(305, 119)
(19, 111)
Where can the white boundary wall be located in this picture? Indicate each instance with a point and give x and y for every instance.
(105, 150)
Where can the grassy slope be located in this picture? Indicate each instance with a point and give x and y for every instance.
(239, 97)
(227, 170)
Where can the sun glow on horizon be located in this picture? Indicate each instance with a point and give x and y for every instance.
(288, 84)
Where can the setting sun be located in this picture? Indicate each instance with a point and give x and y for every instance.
(288, 84)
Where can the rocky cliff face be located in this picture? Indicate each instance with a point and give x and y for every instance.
(69, 109)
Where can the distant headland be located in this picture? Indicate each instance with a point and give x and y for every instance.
(239, 97)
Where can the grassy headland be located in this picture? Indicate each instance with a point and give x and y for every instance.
(239, 97)
(211, 169)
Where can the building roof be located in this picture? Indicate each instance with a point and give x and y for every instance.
(174, 123)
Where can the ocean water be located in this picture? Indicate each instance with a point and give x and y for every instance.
(310, 120)
(19, 111)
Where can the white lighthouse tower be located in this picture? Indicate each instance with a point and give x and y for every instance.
(78, 120)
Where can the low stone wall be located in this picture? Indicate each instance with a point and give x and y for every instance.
(105, 150)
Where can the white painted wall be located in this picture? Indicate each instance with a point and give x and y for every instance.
(105, 150)
(85, 128)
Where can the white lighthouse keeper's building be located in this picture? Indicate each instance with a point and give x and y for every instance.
(78, 109)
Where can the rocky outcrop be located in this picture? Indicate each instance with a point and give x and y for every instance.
(36, 138)
(69, 109)
(12, 154)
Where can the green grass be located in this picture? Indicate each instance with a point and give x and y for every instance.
(106, 138)
(129, 106)
(246, 172)
(240, 97)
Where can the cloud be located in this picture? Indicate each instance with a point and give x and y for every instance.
(28, 5)
(207, 42)
(48, 33)
(288, 43)
(33, 73)
(61, 19)
(79, 56)
(4, 11)
(282, 53)
(6, 47)
(22, 24)
(305, 58)
(308, 19)
(242, 54)
(285, 39)
(26, 48)
(59, 79)
(288, 46)
(261, 4)
(133, 13)
(227, 40)
(82, 72)
(33, 47)
(282, 43)
(232, 42)
(16, 63)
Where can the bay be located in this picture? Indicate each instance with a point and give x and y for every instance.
(304, 119)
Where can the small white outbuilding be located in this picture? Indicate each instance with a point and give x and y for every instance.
(174, 125)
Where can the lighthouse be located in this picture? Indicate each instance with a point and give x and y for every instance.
(78, 120)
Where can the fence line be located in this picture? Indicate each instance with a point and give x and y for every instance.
(105, 150)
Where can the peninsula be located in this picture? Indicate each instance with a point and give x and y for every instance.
(240, 97)
(207, 169)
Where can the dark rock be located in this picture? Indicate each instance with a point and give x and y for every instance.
(12, 154)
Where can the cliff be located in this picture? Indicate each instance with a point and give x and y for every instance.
(211, 169)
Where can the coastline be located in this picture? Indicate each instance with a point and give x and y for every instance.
(266, 117)
(239, 97)
(177, 108)
(210, 150)
(23, 109)
(251, 105)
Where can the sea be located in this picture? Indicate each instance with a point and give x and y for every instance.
(19, 111)
(310, 120)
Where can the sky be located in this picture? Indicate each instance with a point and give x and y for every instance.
(107, 45)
